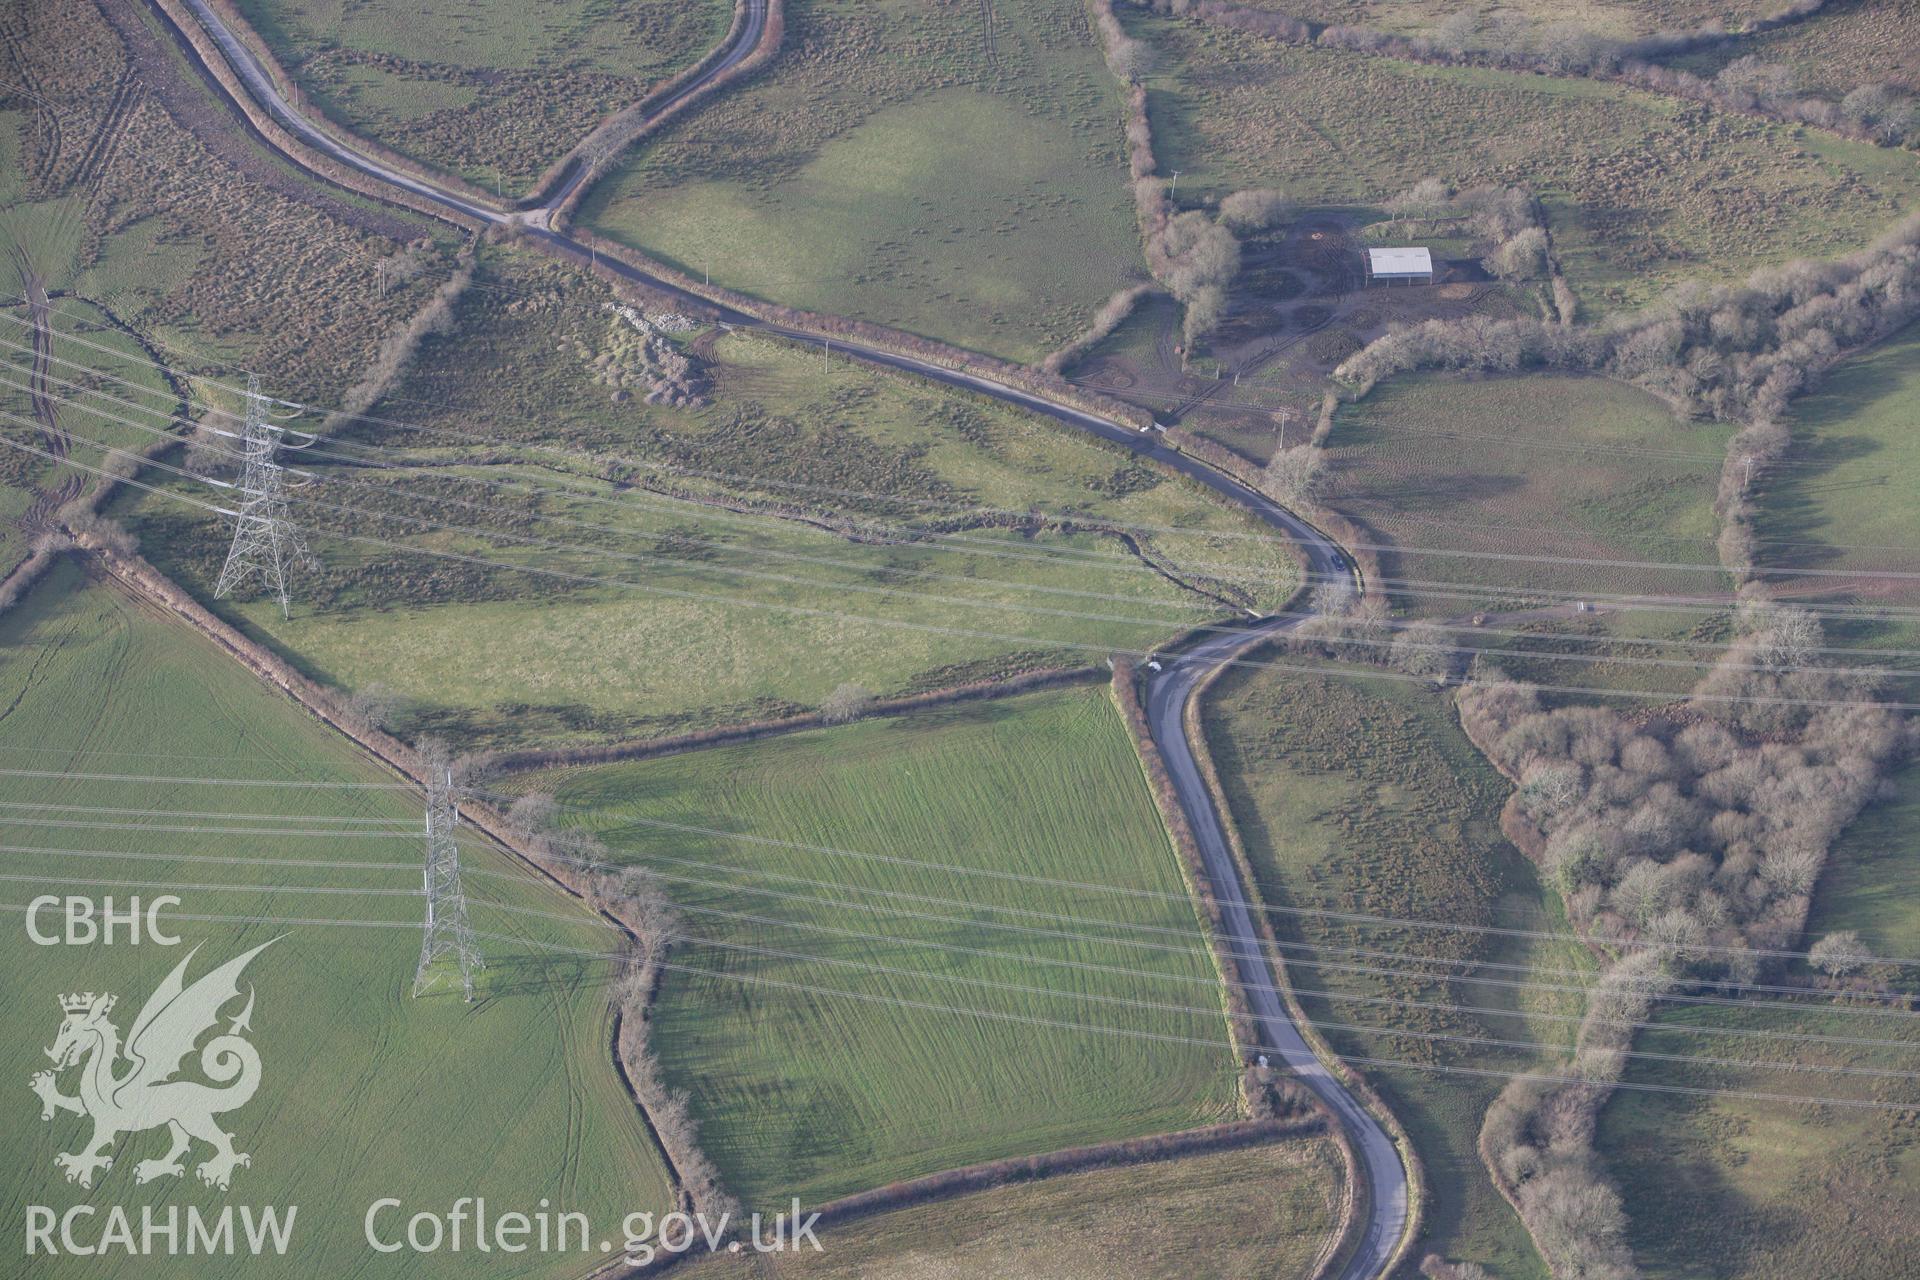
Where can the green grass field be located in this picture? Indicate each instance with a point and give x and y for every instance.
(1508, 474)
(367, 1093)
(1265, 1211)
(918, 166)
(1362, 795)
(1642, 191)
(1837, 504)
(817, 1095)
(1868, 885)
(475, 85)
(1737, 1187)
(745, 595)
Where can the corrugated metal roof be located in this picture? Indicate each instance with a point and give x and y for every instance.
(1400, 262)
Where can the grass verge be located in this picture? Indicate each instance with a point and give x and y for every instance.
(1362, 796)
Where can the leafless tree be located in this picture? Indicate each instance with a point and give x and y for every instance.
(1753, 75)
(1521, 257)
(846, 703)
(1422, 649)
(1840, 953)
(1297, 474)
(375, 705)
(1456, 32)
(533, 812)
(1259, 209)
(1427, 200)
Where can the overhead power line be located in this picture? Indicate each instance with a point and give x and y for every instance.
(1100, 1028)
(895, 623)
(902, 624)
(974, 508)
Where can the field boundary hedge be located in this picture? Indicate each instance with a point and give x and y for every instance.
(1352, 537)
(243, 31)
(1239, 1017)
(752, 730)
(969, 1179)
(792, 323)
(1628, 63)
(606, 137)
(631, 123)
(28, 571)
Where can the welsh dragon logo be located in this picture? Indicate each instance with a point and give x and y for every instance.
(130, 1088)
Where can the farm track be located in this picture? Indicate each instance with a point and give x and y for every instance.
(107, 136)
(1257, 363)
(1387, 1188)
(39, 515)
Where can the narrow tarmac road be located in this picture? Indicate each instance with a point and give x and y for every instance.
(1171, 691)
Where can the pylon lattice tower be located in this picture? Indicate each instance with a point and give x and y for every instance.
(448, 935)
(266, 542)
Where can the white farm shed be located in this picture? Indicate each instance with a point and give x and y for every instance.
(1413, 265)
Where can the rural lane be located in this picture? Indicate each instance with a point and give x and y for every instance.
(1170, 692)
(260, 85)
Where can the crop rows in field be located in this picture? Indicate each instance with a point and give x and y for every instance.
(816, 1095)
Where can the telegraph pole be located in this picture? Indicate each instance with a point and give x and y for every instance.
(266, 542)
(447, 933)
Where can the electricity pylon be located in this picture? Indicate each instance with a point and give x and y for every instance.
(266, 542)
(447, 931)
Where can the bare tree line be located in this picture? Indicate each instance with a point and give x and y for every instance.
(1112, 313)
(1194, 255)
(637, 898)
(1731, 352)
(1703, 834)
(1706, 831)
